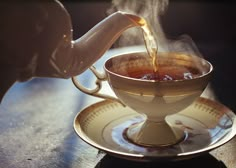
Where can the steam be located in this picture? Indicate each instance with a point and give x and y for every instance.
(151, 10)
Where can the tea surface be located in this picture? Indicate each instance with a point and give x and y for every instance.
(166, 73)
(173, 72)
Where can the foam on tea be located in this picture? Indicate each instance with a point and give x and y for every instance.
(166, 73)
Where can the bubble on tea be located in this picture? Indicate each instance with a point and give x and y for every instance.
(188, 75)
(167, 78)
(150, 76)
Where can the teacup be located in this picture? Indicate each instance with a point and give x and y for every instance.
(180, 80)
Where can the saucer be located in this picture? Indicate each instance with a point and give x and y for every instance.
(208, 125)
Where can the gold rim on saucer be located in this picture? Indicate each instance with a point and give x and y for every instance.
(207, 124)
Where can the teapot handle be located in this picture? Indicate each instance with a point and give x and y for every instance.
(95, 92)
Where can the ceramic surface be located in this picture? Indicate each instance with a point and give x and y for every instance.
(208, 125)
(153, 98)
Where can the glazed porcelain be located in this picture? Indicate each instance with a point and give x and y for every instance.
(155, 99)
(208, 125)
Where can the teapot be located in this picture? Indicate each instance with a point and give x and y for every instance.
(37, 41)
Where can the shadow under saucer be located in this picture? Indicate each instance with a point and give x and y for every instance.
(205, 160)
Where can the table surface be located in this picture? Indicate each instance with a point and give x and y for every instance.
(36, 129)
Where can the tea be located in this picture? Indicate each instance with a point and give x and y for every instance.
(160, 73)
(150, 44)
(149, 40)
(166, 73)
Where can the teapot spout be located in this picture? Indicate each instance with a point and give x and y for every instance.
(91, 46)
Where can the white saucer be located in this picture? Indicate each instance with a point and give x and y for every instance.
(208, 124)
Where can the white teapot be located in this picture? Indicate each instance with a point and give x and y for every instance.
(36, 41)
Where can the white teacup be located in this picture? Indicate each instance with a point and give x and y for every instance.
(181, 79)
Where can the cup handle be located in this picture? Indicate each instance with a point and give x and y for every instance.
(95, 92)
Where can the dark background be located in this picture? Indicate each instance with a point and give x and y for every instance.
(211, 25)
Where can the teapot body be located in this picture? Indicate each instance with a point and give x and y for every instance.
(36, 41)
(32, 33)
